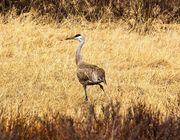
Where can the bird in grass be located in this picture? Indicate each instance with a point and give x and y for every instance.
(87, 74)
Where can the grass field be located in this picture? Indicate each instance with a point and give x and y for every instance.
(38, 71)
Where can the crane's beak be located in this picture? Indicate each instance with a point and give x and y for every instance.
(69, 38)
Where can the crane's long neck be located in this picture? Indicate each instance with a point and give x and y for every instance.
(78, 53)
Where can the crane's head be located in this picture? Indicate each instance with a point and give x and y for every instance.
(78, 37)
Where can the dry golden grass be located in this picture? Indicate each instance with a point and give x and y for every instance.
(38, 71)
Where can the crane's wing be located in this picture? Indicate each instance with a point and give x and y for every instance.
(90, 74)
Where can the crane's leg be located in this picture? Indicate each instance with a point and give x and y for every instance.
(101, 86)
(85, 91)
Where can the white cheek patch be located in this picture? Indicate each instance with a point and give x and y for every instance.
(79, 38)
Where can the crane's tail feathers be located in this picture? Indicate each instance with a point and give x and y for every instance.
(96, 82)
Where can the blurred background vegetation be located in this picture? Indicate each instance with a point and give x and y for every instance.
(139, 10)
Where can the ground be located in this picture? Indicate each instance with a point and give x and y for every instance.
(38, 71)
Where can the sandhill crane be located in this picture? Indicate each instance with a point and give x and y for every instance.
(87, 74)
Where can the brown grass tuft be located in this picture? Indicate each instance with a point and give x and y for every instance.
(139, 123)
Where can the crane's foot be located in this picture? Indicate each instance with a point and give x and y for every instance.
(86, 98)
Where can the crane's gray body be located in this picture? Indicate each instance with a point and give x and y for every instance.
(87, 74)
(90, 74)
